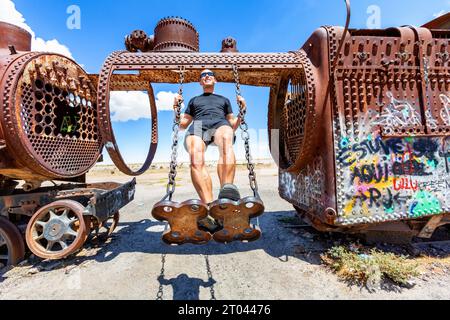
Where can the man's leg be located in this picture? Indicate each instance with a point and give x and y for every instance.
(199, 174)
(226, 168)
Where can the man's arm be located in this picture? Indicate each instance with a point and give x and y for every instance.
(185, 121)
(236, 121)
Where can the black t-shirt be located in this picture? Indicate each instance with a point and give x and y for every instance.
(209, 106)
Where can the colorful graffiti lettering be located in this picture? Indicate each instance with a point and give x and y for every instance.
(387, 178)
(426, 147)
(373, 197)
(357, 151)
(410, 167)
(419, 148)
(394, 175)
(371, 173)
(405, 184)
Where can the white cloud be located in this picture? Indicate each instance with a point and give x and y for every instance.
(39, 44)
(134, 105)
(9, 13)
(440, 13)
(129, 105)
(164, 100)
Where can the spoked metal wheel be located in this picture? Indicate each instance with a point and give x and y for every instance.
(57, 230)
(102, 230)
(12, 248)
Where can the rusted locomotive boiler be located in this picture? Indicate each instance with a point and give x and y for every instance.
(49, 125)
(49, 130)
(364, 134)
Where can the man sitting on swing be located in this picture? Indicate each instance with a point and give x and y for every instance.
(212, 121)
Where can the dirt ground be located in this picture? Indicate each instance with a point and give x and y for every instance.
(283, 264)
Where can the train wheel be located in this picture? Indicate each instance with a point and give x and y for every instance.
(12, 247)
(57, 230)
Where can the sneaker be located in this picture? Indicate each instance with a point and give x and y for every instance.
(209, 224)
(230, 191)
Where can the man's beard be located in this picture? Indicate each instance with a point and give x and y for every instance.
(208, 86)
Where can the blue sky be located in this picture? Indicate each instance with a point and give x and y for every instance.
(258, 26)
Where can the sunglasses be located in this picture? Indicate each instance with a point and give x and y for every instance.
(204, 74)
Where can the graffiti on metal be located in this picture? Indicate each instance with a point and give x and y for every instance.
(405, 177)
(445, 111)
(398, 113)
(307, 186)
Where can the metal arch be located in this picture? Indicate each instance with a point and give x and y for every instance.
(106, 125)
(292, 161)
(115, 154)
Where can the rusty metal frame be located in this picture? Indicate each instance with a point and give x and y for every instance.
(259, 69)
(106, 127)
(102, 200)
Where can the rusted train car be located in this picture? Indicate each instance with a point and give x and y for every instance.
(49, 131)
(364, 138)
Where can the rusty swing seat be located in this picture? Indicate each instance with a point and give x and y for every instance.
(235, 217)
(183, 219)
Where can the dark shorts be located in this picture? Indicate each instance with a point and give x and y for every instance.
(206, 129)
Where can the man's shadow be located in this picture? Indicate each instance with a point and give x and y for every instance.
(185, 287)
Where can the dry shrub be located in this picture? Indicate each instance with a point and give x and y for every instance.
(370, 267)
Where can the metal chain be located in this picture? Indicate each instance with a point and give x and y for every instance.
(245, 135)
(175, 130)
(159, 295)
(210, 277)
